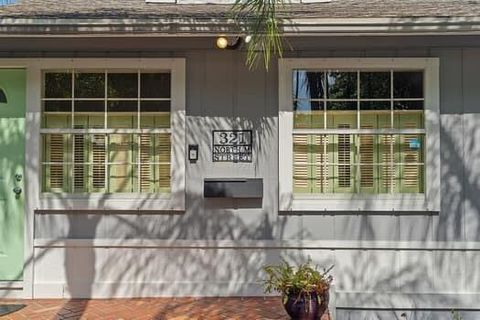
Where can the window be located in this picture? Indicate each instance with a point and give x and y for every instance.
(358, 131)
(106, 131)
(346, 114)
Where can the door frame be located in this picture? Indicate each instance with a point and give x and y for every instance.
(32, 120)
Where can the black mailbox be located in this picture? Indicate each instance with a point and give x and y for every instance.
(233, 188)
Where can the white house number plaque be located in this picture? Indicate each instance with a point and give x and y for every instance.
(232, 145)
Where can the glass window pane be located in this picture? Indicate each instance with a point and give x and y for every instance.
(410, 178)
(56, 159)
(155, 162)
(89, 85)
(308, 114)
(375, 85)
(342, 177)
(409, 151)
(408, 105)
(342, 85)
(409, 115)
(342, 115)
(123, 85)
(122, 114)
(58, 85)
(62, 106)
(98, 156)
(308, 85)
(155, 85)
(57, 114)
(375, 105)
(121, 148)
(155, 114)
(408, 84)
(155, 106)
(80, 157)
(122, 154)
(375, 115)
(89, 114)
(122, 178)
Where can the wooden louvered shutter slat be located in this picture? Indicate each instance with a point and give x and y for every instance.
(56, 156)
(410, 174)
(386, 158)
(162, 156)
(319, 159)
(344, 159)
(98, 158)
(301, 169)
(145, 160)
(79, 160)
(120, 179)
(367, 159)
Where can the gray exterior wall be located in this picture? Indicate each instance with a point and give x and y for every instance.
(430, 260)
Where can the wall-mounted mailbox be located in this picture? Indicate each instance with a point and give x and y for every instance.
(233, 188)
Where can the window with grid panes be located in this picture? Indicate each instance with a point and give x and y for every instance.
(106, 131)
(358, 131)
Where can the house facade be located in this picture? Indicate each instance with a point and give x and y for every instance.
(139, 160)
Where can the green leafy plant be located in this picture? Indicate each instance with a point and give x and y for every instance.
(456, 315)
(260, 20)
(304, 279)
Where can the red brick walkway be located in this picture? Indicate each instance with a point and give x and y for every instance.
(143, 309)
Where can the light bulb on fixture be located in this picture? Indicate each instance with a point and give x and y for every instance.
(222, 42)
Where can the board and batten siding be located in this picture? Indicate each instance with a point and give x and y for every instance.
(387, 260)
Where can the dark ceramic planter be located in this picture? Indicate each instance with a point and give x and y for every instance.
(306, 307)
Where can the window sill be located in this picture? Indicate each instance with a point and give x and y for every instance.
(362, 203)
(117, 201)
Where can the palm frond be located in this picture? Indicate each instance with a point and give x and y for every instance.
(259, 18)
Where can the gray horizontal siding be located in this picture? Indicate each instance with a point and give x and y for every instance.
(222, 94)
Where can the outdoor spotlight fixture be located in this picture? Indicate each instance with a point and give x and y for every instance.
(3, 96)
(223, 43)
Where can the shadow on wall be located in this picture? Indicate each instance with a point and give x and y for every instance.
(221, 270)
(225, 270)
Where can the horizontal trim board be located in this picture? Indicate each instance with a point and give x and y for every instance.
(406, 26)
(258, 244)
(410, 301)
(108, 212)
(98, 290)
(11, 285)
(361, 300)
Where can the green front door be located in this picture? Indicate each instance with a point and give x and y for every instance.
(12, 161)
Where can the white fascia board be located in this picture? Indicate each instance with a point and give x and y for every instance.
(294, 27)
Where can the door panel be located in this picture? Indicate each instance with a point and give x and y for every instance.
(12, 161)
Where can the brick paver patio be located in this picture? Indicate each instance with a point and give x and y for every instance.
(144, 309)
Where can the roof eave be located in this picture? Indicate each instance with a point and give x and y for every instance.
(209, 27)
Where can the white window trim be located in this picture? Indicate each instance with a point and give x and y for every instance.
(174, 201)
(429, 201)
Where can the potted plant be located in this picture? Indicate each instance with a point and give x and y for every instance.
(304, 289)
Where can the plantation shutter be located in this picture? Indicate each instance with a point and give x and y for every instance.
(301, 170)
(56, 153)
(162, 157)
(319, 171)
(98, 159)
(345, 154)
(367, 155)
(145, 159)
(410, 173)
(120, 169)
(79, 160)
